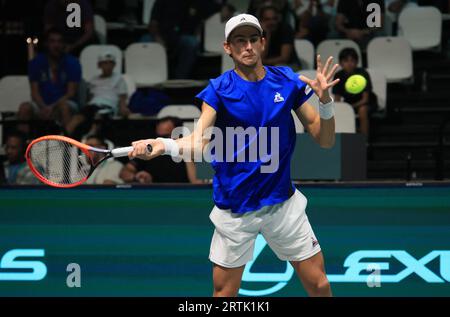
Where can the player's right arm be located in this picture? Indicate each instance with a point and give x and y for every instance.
(189, 144)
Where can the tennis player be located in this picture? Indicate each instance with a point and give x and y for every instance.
(248, 201)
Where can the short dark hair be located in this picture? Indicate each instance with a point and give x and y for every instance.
(51, 31)
(265, 8)
(177, 122)
(99, 138)
(18, 135)
(348, 52)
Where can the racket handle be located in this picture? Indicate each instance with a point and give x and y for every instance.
(123, 151)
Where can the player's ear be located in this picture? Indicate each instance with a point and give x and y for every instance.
(263, 43)
(226, 47)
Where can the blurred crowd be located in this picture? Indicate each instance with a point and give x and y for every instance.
(55, 73)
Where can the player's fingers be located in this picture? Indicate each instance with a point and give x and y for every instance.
(334, 82)
(325, 68)
(305, 79)
(332, 72)
(319, 64)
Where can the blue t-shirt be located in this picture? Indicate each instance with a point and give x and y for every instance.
(69, 70)
(242, 186)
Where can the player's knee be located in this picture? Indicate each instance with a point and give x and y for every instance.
(25, 107)
(224, 290)
(321, 286)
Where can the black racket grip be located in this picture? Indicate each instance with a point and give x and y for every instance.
(149, 148)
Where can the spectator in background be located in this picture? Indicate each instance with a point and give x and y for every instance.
(227, 12)
(351, 21)
(363, 103)
(107, 173)
(15, 170)
(161, 169)
(108, 97)
(55, 16)
(313, 22)
(282, 6)
(54, 77)
(176, 25)
(279, 38)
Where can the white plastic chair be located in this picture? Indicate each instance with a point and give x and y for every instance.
(421, 27)
(100, 29)
(214, 34)
(305, 52)
(179, 111)
(146, 63)
(89, 59)
(298, 125)
(329, 48)
(344, 118)
(379, 87)
(131, 86)
(392, 56)
(14, 90)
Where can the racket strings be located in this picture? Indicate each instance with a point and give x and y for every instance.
(59, 162)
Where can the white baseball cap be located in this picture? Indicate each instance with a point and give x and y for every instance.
(106, 57)
(241, 20)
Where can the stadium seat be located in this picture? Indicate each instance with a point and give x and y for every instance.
(14, 90)
(344, 118)
(214, 34)
(180, 111)
(146, 63)
(100, 29)
(379, 87)
(392, 56)
(329, 48)
(421, 27)
(298, 125)
(131, 86)
(89, 58)
(305, 52)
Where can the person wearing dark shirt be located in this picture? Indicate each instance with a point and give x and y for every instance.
(176, 25)
(351, 20)
(162, 169)
(54, 77)
(363, 103)
(279, 38)
(282, 6)
(15, 171)
(313, 22)
(77, 38)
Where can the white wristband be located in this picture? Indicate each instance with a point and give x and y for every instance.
(326, 110)
(170, 147)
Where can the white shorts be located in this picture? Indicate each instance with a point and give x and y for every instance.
(284, 226)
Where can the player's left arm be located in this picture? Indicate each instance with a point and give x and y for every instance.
(320, 125)
(322, 131)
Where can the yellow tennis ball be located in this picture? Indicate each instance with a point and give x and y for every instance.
(355, 84)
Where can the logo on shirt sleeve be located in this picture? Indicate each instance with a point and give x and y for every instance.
(278, 98)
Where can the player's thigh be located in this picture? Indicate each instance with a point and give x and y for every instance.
(233, 241)
(288, 231)
(227, 280)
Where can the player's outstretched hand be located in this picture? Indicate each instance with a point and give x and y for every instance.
(140, 149)
(324, 79)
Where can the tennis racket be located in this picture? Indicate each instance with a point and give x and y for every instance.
(62, 162)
